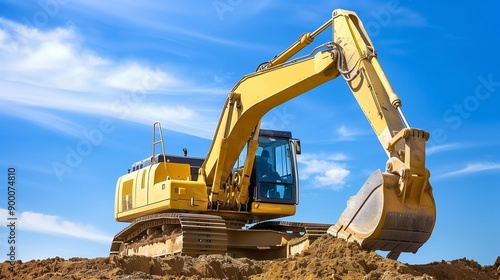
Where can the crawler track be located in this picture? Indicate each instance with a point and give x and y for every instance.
(201, 234)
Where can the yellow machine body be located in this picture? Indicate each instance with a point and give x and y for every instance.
(393, 211)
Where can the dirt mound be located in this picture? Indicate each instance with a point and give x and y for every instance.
(327, 258)
(134, 267)
(460, 269)
(331, 258)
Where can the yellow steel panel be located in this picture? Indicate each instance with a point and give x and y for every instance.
(263, 209)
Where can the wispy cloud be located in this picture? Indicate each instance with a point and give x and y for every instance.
(45, 119)
(410, 18)
(348, 133)
(472, 168)
(434, 149)
(55, 225)
(170, 20)
(47, 74)
(342, 133)
(323, 171)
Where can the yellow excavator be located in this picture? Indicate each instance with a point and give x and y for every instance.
(225, 203)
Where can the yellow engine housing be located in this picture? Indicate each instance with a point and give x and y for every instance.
(161, 187)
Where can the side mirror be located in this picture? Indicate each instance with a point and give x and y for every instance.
(296, 146)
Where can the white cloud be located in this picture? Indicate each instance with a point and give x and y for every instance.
(348, 133)
(46, 119)
(51, 58)
(48, 74)
(137, 77)
(434, 149)
(410, 18)
(55, 225)
(472, 168)
(170, 19)
(323, 171)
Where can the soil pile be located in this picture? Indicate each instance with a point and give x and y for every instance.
(327, 258)
(331, 258)
(134, 267)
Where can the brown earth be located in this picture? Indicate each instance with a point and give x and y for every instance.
(327, 258)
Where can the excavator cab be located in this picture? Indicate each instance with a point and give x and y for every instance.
(275, 172)
(274, 182)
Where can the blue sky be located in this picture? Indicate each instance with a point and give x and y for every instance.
(81, 83)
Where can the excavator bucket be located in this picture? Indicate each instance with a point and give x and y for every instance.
(383, 217)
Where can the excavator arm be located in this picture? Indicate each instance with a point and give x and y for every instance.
(395, 209)
(251, 98)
